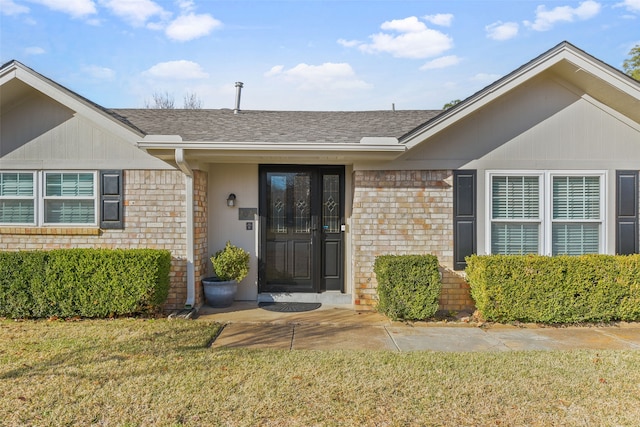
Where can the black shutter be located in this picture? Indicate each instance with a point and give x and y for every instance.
(627, 212)
(464, 216)
(111, 199)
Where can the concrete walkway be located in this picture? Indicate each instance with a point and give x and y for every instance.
(342, 328)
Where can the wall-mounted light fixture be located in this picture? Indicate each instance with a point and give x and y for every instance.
(231, 200)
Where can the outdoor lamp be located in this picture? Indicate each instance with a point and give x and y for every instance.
(231, 200)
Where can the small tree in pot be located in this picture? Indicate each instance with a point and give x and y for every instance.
(230, 265)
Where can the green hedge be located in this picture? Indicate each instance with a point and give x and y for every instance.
(83, 282)
(408, 286)
(562, 289)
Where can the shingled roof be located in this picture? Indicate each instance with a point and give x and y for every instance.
(275, 126)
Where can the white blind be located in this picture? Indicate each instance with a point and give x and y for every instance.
(69, 184)
(17, 203)
(515, 197)
(69, 198)
(576, 197)
(576, 200)
(515, 238)
(575, 239)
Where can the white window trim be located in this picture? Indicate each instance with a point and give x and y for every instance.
(39, 194)
(546, 203)
(34, 198)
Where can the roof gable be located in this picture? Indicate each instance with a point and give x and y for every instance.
(16, 80)
(583, 73)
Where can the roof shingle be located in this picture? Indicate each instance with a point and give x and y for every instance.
(275, 126)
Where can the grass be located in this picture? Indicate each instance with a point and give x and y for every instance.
(157, 372)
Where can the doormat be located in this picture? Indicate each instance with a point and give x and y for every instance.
(289, 307)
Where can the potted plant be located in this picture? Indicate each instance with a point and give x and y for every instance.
(230, 266)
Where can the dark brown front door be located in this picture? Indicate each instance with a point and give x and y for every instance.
(301, 224)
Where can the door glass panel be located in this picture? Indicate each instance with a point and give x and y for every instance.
(331, 203)
(278, 204)
(302, 200)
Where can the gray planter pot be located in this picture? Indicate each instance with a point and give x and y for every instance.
(219, 293)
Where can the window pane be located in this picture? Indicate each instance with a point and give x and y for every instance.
(514, 238)
(69, 184)
(16, 184)
(69, 211)
(17, 211)
(575, 239)
(515, 197)
(576, 197)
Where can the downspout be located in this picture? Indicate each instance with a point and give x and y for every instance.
(191, 274)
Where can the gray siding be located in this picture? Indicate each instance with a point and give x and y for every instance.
(40, 133)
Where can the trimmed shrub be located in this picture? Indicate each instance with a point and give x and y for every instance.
(408, 286)
(562, 289)
(83, 282)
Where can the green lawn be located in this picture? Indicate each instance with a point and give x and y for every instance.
(159, 372)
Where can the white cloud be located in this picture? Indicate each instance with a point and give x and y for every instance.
(502, 30)
(348, 43)
(191, 26)
(414, 41)
(442, 19)
(75, 8)
(8, 7)
(179, 70)
(328, 76)
(631, 5)
(442, 62)
(546, 19)
(34, 50)
(98, 72)
(135, 12)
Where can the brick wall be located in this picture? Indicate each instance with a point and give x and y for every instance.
(404, 212)
(154, 214)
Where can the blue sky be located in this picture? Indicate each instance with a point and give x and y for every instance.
(301, 54)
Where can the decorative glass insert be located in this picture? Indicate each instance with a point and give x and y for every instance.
(331, 203)
(515, 213)
(69, 198)
(302, 198)
(278, 204)
(17, 198)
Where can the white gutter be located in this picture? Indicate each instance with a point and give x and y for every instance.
(191, 275)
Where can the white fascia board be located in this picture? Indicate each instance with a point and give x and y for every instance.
(9, 74)
(147, 143)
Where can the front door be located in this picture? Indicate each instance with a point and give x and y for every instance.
(301, 228)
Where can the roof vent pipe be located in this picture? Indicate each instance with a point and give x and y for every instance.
(238, 91)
